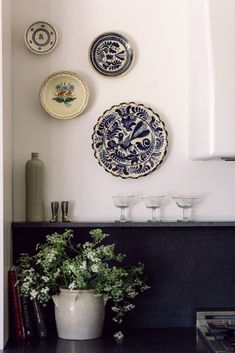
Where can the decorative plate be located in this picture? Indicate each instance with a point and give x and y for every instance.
(129, 140)
(64, 95)
(111, 54)
(41, 37)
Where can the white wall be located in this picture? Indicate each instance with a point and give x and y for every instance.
(158, 79)
(5, 164)
(2, 291)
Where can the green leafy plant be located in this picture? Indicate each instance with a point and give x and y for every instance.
(59, 262)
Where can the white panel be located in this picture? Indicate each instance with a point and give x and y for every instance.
(2, 284)
(212, 79)
(222, 35)
(201, 85)
(5, 164)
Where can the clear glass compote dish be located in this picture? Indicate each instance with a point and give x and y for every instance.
(185, 203)
(123, 202)
(154, 202)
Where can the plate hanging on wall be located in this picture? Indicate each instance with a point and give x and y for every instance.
(41, 37)
(111, 54)
(64, 95)
(129, 140)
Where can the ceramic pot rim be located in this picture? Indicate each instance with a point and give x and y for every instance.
(76, 291)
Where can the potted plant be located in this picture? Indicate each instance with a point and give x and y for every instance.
(81, 278)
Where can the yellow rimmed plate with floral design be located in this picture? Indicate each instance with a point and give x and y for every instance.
(64, 95)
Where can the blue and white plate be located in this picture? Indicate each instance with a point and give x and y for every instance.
(111, 54)
(41, 37)
(129, 140)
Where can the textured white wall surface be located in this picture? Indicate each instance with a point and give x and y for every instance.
(1, 201)
(159, 79)
(5, 164)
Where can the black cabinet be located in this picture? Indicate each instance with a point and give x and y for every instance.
(190, 266)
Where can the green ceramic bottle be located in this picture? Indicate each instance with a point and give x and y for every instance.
(34, 180)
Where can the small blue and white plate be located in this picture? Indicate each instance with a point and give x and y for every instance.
(111, 54)
(41, 37)
(129, 140)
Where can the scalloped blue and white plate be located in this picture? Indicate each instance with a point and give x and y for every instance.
(129, 140)
(111, 54)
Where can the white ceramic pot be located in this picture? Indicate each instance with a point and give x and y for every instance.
(79, 314)
(79, 346)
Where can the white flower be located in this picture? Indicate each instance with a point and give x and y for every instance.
(45, 290)
(132, 294)
(45, 278)
(33, 294)
(86, 244)
(94, 268)
(83, 265)
(56, 274)
(30, 270)
(107, 289)
(118, 335)
(25, 286)
(91, 256)
(51, 256)
(114, 308)
(72, 285)
(118, 293)
(71, 267)
(106, 250)
(129, 307)
(145, 287)
(28, 279)
(119, 320)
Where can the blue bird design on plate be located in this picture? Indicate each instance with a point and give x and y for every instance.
(133, 137)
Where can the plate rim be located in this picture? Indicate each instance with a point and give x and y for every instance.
(57, 73)
(35, 51)
(166, 140)
(132, 54)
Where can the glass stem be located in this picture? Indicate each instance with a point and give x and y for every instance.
(123, 217)
(154, 214)
(185, 215)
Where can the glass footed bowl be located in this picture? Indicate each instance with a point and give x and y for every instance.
(154, 202)
(185, 203)
(123, 202)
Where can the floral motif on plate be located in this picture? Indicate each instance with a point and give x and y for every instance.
(111, 54)
(129, 140)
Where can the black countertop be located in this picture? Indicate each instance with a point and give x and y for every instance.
(128, 224)
(169, 340)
